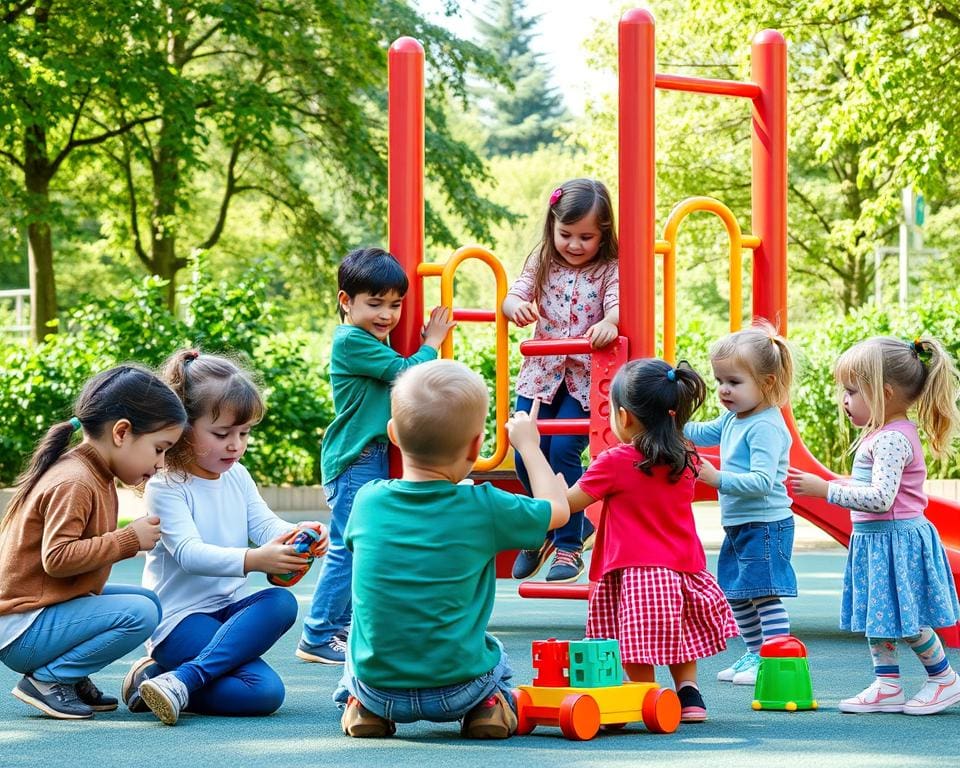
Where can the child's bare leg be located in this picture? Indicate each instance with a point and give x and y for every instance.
(639, 673)
(684, 673)
(692, 708)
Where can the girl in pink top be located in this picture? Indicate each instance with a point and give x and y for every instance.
(898, 582)
(653, 592)
(569, 288)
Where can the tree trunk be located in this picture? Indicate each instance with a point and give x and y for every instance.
(166, 182)
(43, 289)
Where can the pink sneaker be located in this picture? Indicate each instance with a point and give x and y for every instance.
(881, 696)
(935, 696)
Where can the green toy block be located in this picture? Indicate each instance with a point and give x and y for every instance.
(595, 663)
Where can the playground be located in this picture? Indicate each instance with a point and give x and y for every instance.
(306, 730)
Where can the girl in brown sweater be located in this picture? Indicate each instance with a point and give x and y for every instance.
(59, 619)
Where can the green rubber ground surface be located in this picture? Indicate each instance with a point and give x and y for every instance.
(305, 732)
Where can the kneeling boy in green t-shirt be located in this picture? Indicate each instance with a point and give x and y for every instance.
(423, 571)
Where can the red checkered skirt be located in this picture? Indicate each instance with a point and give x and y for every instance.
(661, 616)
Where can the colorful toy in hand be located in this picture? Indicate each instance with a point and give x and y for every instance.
(309, 541)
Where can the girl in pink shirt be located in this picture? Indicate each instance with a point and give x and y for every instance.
(654, 593)
(569, 287)
(898, 582)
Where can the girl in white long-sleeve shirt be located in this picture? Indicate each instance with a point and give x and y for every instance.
(205, 653)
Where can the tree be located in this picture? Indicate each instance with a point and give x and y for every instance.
(245, 91)
(61, 60)
(525, 115)
(858, 132)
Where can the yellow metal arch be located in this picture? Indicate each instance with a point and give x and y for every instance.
(668, 247)
(446, 273)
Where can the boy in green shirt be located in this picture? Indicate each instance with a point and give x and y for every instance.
(424, 548)
(372, 285)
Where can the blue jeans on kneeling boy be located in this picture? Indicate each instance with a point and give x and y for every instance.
(437, 705)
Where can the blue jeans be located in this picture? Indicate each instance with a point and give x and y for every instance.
(438, 705)
(72, 640)
(217, 655)
(330, 609)
(754, 560)
(563, 454)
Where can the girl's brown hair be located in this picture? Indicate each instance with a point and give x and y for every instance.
(577, 198)
(921, 370)
(209, 385)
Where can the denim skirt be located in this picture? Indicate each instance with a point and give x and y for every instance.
(897, 580)
(754, 560)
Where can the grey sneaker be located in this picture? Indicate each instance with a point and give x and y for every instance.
(60, 700)
(166, 695)
(129, 691)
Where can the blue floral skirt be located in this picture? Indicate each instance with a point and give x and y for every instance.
(897, 580)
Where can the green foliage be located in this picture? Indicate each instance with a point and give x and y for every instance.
(526, 114)
(40, 383)
(815, 396)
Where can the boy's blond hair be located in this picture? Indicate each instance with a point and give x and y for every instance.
(762, 352)
(437, 409)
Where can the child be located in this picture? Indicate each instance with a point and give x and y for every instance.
(653, 592)
(206, 651)
(362, 367)
(569, 287)
(897, 583)
(59, 620)
(754, 370)
(424, 548)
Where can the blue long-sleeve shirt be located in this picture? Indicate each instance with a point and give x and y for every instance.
(754, 455)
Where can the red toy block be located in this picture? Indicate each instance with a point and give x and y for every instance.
(551, 662)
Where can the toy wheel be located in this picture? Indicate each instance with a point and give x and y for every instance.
(579, 717)
(791, 706)
(661, 710)
(523, 701)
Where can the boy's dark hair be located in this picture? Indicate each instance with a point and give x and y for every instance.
(370, 270)
(129, 392)
(662, 398)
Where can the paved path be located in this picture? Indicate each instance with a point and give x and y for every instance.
(305, 732)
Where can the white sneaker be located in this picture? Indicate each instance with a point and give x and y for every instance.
(880, 696)
(934, 696)
(747, 675)
(749, 659)
(166, 695)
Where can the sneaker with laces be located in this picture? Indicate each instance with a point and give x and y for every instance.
(93, 697)
(492, 718)
(935, 696)
(749, 659)
(360, 723)
(59, 701)
(692, 708)
(567, 566)
(129, 690)
(332, 652)
(166, 695)
(879, 696)
(530, 561)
